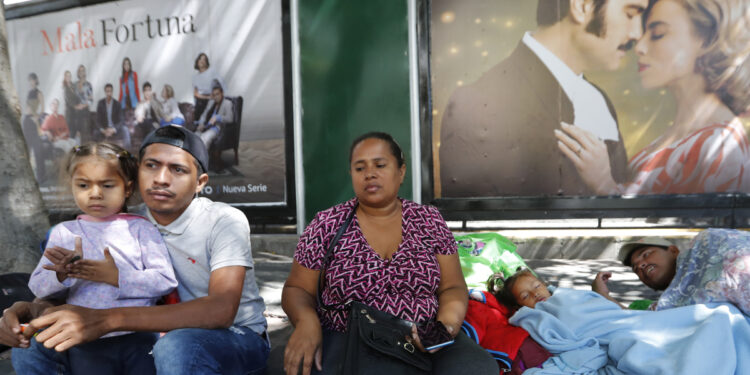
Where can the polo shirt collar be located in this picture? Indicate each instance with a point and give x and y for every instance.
(180, 225)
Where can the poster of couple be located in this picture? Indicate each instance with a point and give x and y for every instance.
(590, 97)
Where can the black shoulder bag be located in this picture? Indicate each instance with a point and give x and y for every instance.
(375, 340)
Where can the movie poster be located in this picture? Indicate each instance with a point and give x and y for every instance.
(116, 71)
(596, 98)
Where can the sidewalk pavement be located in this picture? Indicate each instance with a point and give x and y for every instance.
(271, 271)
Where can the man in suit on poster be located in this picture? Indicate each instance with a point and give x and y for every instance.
(109, 123)
(498, 134)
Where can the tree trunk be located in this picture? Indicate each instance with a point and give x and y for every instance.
(23, 219)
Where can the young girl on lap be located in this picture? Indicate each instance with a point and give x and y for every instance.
(118, 260)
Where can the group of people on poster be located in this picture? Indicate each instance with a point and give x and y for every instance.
(124, 119)
(534, 125)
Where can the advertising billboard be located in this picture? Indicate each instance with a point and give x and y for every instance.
(610, 98)
(116, 71)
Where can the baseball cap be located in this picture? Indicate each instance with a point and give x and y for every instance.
(180, 137)
(627, 248)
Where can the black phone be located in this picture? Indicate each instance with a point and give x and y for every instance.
(433, 335)
(74, 259)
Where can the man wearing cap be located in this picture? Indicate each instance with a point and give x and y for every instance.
(219, 327)
(715, 268)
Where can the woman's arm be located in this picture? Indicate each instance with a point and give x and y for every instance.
(137, 89)
(89, 92)
(453, 296)
(197, 94)
(201, 96)
(122, 82)
(298, 299)
(158, 108)
(169, 105)
(730, 146)
(590, 157)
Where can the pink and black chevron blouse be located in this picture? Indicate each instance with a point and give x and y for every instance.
(404, 286)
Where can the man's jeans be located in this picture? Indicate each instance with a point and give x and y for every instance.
(237, 350)
(128, 354)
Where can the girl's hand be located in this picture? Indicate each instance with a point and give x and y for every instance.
(61, 258)
(100, 271)
(590, 157)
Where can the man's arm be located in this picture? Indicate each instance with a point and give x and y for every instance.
(227, 112)
(72, 325)
(22, 311)
(204, 115)
(600, 286)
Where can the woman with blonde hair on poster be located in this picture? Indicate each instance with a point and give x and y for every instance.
(170, 108)
(698, 50)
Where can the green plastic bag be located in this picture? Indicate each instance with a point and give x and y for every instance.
(641, 304)
(485, 254)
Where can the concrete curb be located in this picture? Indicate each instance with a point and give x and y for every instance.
(532, 244)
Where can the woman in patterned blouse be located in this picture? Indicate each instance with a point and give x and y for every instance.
(698, 50)
(396, 256)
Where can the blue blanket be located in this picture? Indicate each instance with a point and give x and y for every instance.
(590, 335)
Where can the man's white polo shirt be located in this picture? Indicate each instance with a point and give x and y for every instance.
(207, 236)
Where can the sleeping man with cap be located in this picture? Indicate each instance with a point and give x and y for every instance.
(715, 268)
(219, 327)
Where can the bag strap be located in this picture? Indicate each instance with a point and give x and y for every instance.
(327, 259)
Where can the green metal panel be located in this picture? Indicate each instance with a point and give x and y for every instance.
(354, 78)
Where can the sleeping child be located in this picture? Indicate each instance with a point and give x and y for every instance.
(487, 317)
(521, 289)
